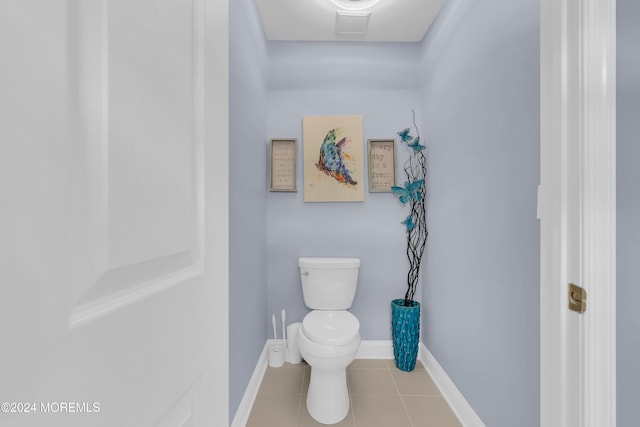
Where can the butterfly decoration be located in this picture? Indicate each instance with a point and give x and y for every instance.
(331, 159)
(414, 192)
(410, 141)
(404, 135)
(416, 145)
(409, 223)
(411, 190)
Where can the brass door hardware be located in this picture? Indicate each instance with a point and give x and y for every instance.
(577, 298)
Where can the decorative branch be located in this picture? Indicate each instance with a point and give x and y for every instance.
(414, 192)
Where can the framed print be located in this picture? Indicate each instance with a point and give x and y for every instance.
(382, 165)
(333, 159)
(283, 154)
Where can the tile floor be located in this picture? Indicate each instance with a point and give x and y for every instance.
(381, 396)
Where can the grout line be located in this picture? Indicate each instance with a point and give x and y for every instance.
(406, 411)
(300, 408)
(301, 385)
(353, 413)
(299, 395)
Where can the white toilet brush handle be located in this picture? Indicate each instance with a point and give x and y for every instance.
(273, 322)
(284, 334)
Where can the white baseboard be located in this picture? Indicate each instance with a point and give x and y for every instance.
(465, 413)
(370, 349)
(244, 409)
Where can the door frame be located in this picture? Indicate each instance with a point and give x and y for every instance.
(215, 398)
(578, 41)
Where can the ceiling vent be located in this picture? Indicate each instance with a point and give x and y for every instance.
(352, 22)
(355, 4)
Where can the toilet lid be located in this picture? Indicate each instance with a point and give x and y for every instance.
(330, 327)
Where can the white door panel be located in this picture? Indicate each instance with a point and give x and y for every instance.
(151, 139)
(138, 150)
(112, 302)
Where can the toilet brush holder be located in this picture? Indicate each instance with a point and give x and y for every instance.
(293, 352)
(276, 356)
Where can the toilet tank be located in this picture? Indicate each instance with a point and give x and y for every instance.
(329, 283)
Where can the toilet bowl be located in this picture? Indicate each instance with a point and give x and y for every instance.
(328, 341)
(329, 337)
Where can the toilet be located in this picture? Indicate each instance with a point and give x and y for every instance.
(329, 337)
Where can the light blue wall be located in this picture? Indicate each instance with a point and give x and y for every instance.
(247, 232)
(474, 83)
(480, 115)
(379, 82)
(628, 235)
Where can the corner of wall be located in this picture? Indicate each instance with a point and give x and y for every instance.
(247, 196)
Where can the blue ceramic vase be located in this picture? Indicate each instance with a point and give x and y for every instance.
(405, 330)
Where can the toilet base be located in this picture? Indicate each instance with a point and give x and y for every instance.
(328, 396)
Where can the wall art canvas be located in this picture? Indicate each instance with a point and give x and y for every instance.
(283, 154)
(382, 165)
(333, 159)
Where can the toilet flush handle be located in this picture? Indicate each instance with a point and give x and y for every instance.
(306, 273)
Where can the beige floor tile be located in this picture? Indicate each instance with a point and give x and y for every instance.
(416, 382)
(305, 420)
(391, 363)
(283, 380)
(374, 387)
(275, 410)
(426, 411)
(379, 411)
(306, 377)
(370, 382)
(368, 364)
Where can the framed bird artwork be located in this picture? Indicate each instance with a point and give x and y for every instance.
(333, 159)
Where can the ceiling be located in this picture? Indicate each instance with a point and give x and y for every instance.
(347, 20)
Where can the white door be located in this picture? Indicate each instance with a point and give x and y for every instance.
(577, 212)
(113, 223)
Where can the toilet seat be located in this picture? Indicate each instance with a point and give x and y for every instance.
(331, 327)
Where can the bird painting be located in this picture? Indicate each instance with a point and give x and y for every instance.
(332, 158)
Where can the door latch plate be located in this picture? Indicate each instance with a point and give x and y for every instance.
(577, 298)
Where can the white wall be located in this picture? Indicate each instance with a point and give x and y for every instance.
(247, 198)
(480, 114)
(628, 209)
